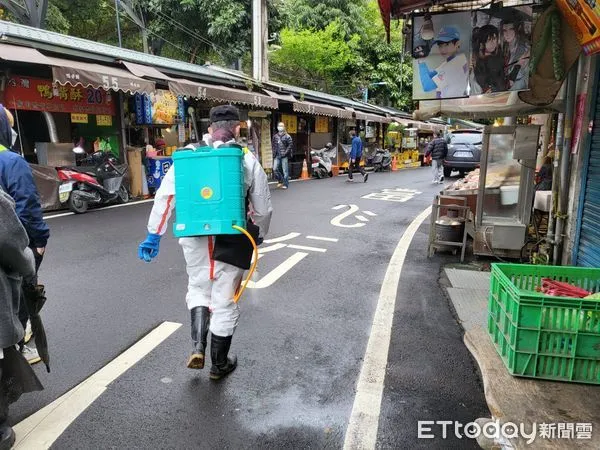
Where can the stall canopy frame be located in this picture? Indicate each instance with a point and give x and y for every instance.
(218, 93)
(321, 110)
(97, 76)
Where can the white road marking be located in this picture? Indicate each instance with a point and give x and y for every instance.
(42, 429)
(55, 216)
(277, 272)
(393, 195)
(362, 218)
(272, 248)
(364, 420)
(337, 220)
(338, 207)
(308, 249)
(319, 238)
(369, 213)
(287, 237)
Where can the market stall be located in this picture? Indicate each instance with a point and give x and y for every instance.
(500, 193)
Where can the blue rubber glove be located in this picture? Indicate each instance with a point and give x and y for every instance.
(148, 249)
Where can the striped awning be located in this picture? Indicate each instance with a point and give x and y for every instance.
(218, 93)
(317, 109)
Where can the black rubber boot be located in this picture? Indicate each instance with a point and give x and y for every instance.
(222, 365)
(200, 321)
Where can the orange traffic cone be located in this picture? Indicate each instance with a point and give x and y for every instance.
(394, 164)
(304, 175)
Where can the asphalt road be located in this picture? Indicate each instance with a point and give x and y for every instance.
(300, 342)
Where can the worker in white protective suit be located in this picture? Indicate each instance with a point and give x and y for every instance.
(213, 284)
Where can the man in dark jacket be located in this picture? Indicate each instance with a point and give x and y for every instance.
(282, 152)
(16, 179)
(438, 150)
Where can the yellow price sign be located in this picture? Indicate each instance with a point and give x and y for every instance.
(104, 121)
(322, 124)
(79, 118)
(291, 123)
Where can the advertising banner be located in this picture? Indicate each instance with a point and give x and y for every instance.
(36, 94)
(501, 50)
(463, 54)
(583, 17)
(441, 49)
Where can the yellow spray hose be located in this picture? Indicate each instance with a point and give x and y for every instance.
(239, 293)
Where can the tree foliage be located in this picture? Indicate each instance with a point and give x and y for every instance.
(318, 58)
(336, 46)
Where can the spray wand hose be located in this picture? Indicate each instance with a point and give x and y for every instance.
(239, 293)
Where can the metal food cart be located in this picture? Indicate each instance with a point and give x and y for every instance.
(506, 190)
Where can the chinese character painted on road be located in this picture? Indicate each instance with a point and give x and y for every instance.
(75, 94)
(45, 91)
(584, 430)
(399, 195)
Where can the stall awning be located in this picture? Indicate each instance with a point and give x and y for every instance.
(321, 110)
(221, 93)
(66, 71)
(372, 117)
(283, 97)
(142, 71)
(22, 54)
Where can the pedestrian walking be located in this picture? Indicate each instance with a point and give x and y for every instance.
(16, 263)
(16, 179)
(212, 282)
(355, 157)
(282, 152)
(438, 150)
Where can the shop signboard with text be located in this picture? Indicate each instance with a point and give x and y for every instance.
(36, 94)
(583, 17)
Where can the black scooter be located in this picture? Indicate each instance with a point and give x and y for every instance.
(382, 160)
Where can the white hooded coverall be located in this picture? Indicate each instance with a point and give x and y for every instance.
(214, 283)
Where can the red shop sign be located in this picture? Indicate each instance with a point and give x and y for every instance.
(35, 94)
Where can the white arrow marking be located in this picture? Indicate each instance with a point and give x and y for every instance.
(339, 207)
(271, 248)
(277, 272)
(362, 218)
(318, 238)
(287, 237)
(337, 220)
(369, 213)
(309, 249)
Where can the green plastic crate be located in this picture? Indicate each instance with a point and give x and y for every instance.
(539, 336)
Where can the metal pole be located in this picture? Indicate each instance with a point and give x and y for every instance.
(558, 141)
(118, 23)
(565, 162)
(257, 48)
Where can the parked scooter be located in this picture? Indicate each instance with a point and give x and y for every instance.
(382, 160)
(100, 183)
(322, 161)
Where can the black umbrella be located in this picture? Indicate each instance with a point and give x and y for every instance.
(35, 298)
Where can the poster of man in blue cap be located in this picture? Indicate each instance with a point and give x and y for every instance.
(441, 52)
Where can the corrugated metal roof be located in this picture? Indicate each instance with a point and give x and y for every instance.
(74, 46)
